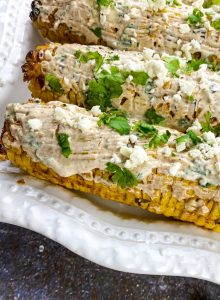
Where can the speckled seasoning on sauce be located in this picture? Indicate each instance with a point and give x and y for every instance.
(132, 25)
(180, 96)
(34, 127)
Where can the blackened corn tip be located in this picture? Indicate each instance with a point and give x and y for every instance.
(35, 4)
(35, 10)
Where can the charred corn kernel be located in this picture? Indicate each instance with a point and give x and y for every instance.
(164, 203)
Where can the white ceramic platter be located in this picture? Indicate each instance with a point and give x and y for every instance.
(110, 234)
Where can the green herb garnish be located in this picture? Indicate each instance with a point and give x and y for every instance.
(152, 117)
(90, 56)
(206, 125)
(63, 141)
(159, 140)
(190, 135)
(106, 87)
(191, 98)
(139, 78)
(194, 65)
(173, 2)
(116, 120)
(113, 58)
(145, 128)
(172, 65)
(122, 176)
(97, 31)
(54, 83)
(104, 2)
(209, 3)
(216, 24)
(196, 17)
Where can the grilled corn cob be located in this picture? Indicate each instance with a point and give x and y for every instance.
(177, 89)
(63, 144)
(161, 25)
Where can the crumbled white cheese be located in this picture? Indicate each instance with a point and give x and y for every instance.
(135, 12)
(96, 111)
(130, 78)
(126, 18)
(165, 17)
(48, 55)
(85, 124)
(35, 124)
(196, 127)
(138, 156)
(115, 159)
(125, 151)
(177, 98)
(196, 45)
(133, 138)
(201, 71)
(175, 168)
(59, 114)
(187, 87)
(166, 151)
(209, 137)
(186, 48)
(180, 147)
(206, 150)
(148, 53)
(195, 153)
(156, 68)
(184, 28)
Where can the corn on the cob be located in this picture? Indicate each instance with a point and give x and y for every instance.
(179, 90)
(157, 181)
(127, 25)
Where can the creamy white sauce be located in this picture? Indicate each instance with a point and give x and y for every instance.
(95, 147)
(133, 25)
(168, 95)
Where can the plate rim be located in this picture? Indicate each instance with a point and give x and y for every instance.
(158, 254)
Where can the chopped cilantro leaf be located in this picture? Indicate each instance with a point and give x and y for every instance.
(172, 65)
(206, 125)
(182, 139)
(139, 78)
(145, 128)
(196, 17)
(54, 83)
(63, 141)
(97, 31)
(116, 120)
(98, 95)
(159, 140)
(209, 3)
(194, 138)
(216, 24)
(104, 2)
(190, 135)
(173, 2)
(106, 87)
(90, 56)
(113, 58)
(194, 65)
(122, 176)
(152, 117)
(191, 98)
